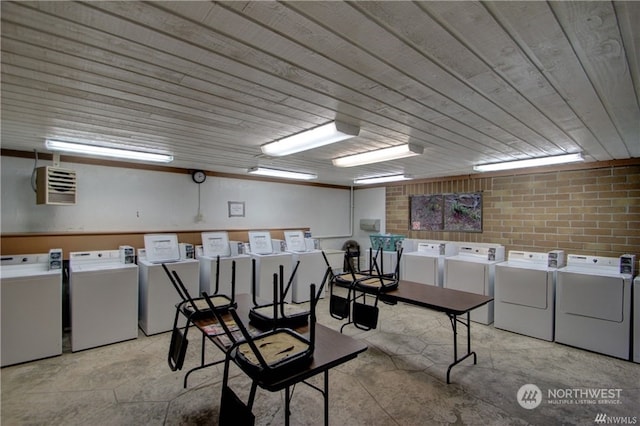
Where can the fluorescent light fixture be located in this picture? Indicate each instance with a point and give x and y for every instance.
(319, 136)
(532, 162)
(264, 171)
(385, 154)
(381, 179)
(103, 151)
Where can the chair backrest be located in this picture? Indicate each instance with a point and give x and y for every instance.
(396, 271)
(184, 293)
(279, 293)
(180, 288)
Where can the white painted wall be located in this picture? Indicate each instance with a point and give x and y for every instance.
(122, 199)
(368, 204)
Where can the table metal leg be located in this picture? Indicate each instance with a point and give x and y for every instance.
(454, 324)
(287, 398)
(325, 394)
(326, 398)
(202, 363)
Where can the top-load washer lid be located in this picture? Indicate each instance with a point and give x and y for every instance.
(260, 242)
(596, 265)
(26, 265)
(215, 244)
(533, 260)
(295, 241)
(492, 254)
(162, 248)
(97, 260)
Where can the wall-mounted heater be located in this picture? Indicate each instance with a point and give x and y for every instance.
(55, 186)
(372, 225)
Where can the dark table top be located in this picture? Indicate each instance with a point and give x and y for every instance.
(440, 299)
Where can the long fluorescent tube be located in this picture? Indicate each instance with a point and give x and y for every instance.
(532, 162)
(103, 151)
(319, 136)
(263, 171)
(385, 154)
(381, 179)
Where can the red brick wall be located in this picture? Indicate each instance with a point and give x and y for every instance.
(594, 211)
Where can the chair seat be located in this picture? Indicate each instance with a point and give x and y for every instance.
(289, 310)
(377, 284)
(275, 348)
(283, 351)
(346, 280)
(294, 316)
(221, 302)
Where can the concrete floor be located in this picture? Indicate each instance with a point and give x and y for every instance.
(399, 380)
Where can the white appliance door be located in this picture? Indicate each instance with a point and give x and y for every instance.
(31, 318)
(592, 296)
(420, 269)
(104, 307)
(466, 276)
(520, 286)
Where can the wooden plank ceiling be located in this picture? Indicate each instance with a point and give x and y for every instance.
(471, 82)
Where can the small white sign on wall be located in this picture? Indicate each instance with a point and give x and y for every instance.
(236, 208)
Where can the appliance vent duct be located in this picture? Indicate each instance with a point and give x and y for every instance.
(55, 186)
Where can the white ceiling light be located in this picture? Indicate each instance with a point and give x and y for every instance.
(385, 154)
(263, 171)
(103, 151)
(532, 162)
(380, 179)
(319, 136)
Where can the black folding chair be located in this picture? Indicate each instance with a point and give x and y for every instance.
(193, 310)
(365, 316)
(278, 313)
(265, 358)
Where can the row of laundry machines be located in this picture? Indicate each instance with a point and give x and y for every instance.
(112, 293)
(582, 301)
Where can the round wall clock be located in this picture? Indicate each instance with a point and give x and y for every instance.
(198, 176)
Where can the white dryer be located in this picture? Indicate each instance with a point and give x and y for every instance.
(31, 298)
(425, 265)
(473, 270)
(311, 268)
(593, 305)
(269, 258)
(216, 247)
(157, 297)
(525, 291)
(103, 292)
(636, 320)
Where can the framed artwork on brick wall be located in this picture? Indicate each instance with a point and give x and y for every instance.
(460, 212)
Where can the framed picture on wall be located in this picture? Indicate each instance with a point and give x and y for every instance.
(426, 212)
(446, 212)
(236, 208)
(463, 212)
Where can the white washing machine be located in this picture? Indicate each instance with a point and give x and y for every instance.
(311, 269)
(268, 257)
(216, 245)
(473, 270)
(31, 299)
(636, 320)
(425, 265)
(157, 298)
(103, 292)
(525, 292)
(593, 305)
